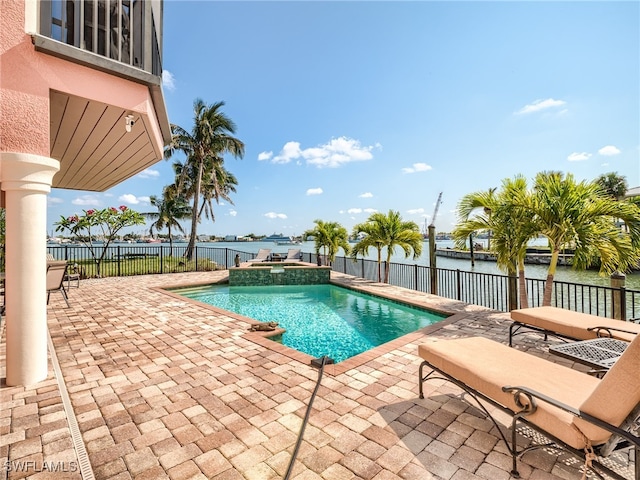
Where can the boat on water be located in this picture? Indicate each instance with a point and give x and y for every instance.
(279, 239)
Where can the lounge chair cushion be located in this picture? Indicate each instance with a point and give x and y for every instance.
(486, 366)
(294, 254)
(263, 255)
(572, 324)
(618, 393)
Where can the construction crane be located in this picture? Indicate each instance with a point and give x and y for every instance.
(435, 210)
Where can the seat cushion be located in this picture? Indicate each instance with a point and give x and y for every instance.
(572, 324)
(486, 366)
(618, 393)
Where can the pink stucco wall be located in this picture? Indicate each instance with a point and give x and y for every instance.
(27, 76)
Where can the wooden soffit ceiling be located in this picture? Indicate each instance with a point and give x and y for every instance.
(92, 143)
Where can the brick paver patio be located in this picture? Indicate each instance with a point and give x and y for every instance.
(161, 387)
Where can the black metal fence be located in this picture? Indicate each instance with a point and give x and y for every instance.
(488, 290)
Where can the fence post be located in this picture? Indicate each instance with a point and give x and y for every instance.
(433, 271)
(617, 296)
(458, 285)
(161, 259)
(415, 276)
(512, 292)
(362, 263)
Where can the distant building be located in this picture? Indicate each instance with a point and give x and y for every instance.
(82, 108)
(231, 238)
(633, 192)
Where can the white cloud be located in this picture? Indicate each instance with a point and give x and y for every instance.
(149, 173)
(354, 210)
(233, 213)
(578, 157)
(264, 156)
(54, 200)
(370, 210)
(366, 195)
(168, 80)
(86, 201)
(414, 211)
(609, 150)
(131, 199)
(417, 167)
(275, 215)
(335, 153)
(538, 105)
(314, 191)
(290, 151)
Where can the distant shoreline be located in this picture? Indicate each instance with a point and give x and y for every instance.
(530, 258)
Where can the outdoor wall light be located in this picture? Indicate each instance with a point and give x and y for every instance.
(129, 122)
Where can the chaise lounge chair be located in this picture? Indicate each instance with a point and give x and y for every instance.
(263, 255)
(567, 324)
(577, 412)
(293, 255)
(56, 272)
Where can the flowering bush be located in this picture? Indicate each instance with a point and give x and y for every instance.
(99, 225)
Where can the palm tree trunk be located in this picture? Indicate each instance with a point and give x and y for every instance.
(386, 270)
(548, 285)
(522, 285)
(194, 215)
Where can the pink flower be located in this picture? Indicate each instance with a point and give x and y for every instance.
(113, 210)
(73, 218)
(123, 208)
(90, 212)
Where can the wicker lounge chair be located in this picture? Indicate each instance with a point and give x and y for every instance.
(263, 255)
(575, 411)
(568, 324)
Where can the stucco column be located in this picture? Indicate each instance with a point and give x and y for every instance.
(26, 180)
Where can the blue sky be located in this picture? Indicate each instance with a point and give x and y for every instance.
(347, 108)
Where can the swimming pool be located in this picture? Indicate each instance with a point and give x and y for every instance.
(320, 319)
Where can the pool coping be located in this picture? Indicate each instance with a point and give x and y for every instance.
(262, 338)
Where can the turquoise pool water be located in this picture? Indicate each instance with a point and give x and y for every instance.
(320, 319)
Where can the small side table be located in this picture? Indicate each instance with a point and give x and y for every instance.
(598, 353)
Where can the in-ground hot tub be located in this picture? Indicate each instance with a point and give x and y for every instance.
(278, 273)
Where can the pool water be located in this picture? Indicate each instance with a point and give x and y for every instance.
(320, 319)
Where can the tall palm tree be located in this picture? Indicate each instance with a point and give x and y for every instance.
(507, 214)
(209, 139)
(217, 184)
(329, 237)
(578, 215)
(388, 231)
(171, 209)
(613, 184)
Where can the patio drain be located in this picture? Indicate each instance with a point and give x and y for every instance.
(76, 437)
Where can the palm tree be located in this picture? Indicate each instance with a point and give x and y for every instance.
(330, 237)
(506, 214)
(217, 184)
(614, 185)
(579, 216)
(204, 147)
(388, 231)
(171, 208)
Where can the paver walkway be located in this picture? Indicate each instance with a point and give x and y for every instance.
(162, 387)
